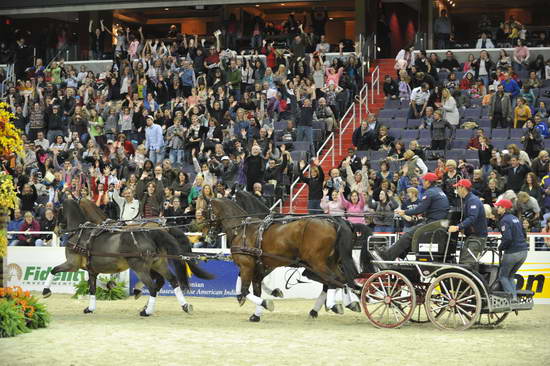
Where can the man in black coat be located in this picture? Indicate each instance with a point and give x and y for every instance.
(364, 137)
(515, 174)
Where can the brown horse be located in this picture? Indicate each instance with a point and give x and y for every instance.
(314, 243)
(145, 252)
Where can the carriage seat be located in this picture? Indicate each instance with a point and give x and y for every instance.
(431, 246)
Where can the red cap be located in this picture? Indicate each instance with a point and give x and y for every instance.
(430, 177)
(504, 203)
(466, 183)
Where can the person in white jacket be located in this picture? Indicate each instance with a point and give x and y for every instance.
(450, 110)
(128, 205)
(484, 42)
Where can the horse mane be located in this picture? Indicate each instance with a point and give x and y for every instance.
(73, 214)
(231, 213)
(92, 212)
(250, 203)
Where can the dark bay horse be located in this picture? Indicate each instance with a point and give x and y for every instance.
(256, 208)
(141, 251)
(315, 243)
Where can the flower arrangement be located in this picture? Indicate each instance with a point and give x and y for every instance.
(108, 290)
(11, 145)
(20, 312)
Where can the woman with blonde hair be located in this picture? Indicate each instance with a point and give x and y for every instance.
(448, 105)
(202, 200)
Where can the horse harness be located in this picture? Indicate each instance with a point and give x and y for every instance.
(258, 253)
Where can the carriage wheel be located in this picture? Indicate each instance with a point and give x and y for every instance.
(453, 301)
(388, 299)
(419, 314)
(491, 319)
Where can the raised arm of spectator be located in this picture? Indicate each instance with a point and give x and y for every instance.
(90, 26)
(217, 42)
(104, 28)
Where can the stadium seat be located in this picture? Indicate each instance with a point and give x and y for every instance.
(431, 164)
(474, 113)
(463, 134)
(386, 121)
(318, 125)
(500, 144)
(392, 104)
(458, 144)
(401, 114)
(499, 134)
(424, 134)
(413, 123)
(471, 155)
(397, 123)
(408, 135)
(378, 155)
(396, 132)
(485, 122)
(361, 153)
(387, 113)
(516, 133)
(455, 154)
(280, 125)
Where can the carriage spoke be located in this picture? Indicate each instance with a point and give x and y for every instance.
(394, 287)
(468, 305)
(395, 314)
(372, 297)
(449, 296)
(377, 308)
(383, 286)
(408, 296)
(460, 301)
(466, 290)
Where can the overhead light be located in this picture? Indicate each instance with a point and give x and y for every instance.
(166, 9)
(283, 4)
(257, 5)
(330, 18)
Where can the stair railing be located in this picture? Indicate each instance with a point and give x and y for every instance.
(375, 82)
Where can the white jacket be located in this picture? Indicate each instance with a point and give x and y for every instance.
(488, 43)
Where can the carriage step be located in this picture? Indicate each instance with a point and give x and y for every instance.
(526, 293)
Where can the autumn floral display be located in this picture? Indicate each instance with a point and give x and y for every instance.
(20, 312)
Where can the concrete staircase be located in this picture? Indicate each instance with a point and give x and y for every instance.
(299, 204)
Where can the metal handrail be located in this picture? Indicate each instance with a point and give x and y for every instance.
(279, 203)
(330, 151)
(375, 80)
(342, 129)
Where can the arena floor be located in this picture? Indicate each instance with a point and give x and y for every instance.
(218, 333)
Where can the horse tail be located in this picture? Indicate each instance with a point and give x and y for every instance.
(345, 238)
(165, 241)
(185, 246)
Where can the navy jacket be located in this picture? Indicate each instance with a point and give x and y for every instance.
(474, 221)
(434, 205)
(513, 236)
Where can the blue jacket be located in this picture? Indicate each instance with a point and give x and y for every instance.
(543, 128)
(434, 205)
(474, 221)
(513, 236)
(511, 86)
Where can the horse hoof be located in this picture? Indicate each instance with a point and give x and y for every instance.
(254, 318)
(137, 293)
(313, 314)
(337, 309)
(143, 313)
(354, 306)
(188, 308)
(269, 305)
(111, 285)
(241, 299)
(88, 311)
(277, 293)
(327, 308)
(46, 293)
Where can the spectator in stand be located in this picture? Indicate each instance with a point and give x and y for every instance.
(532, 186)
(404, 60)
(333, 206)
(14, 225)
(483, 67)
(521, 57)
(391, 88)
(527, 94)
(542, 126)
(30, 225)
(500, 108)
(528, 209)
(522, 113)
(532, 139)
(411, 202)
(442, 30)
(404, 86)
(450, 63)
(365, 136)
(450, 178)
(504, 61)
(540, 164)
(154, 141)
(419, 101)
(440, 131)
(452, 83)
(448, 105)
(97, 40)
(383, 208)
(515, 174)
(467, 81)
(315, 184)
(354, 207)
(484, 42)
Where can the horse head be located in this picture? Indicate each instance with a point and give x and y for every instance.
(70, 215)
(251, 204)
(223, 215)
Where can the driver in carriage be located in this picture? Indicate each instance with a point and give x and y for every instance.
(434, 205)
(473, 224)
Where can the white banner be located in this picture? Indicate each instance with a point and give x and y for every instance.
(28, 267)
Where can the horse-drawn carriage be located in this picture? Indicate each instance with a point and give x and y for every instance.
(430, 285)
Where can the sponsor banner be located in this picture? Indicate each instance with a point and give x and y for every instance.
(29, 267)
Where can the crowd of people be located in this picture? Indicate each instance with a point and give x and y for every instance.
(170, 126)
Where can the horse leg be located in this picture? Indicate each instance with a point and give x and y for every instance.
(92, 284)
(165, 273)
(145, 277)
(68, 266)
(350, 299)
(238, 291)
(247, 274)
(257, 289)
(321, 300)
(331, 301)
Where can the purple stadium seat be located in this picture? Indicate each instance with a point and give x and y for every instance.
(280, 125)
(378, 155)
(463, 134)
(499, 134)
(500, 144)
(471, 155)
(413, 123)
(472, 113)
(485, 122)
(431, 164)
(459, 144)
(423, 141)
(455, 154)
(397, 123)
(516, 133)
(392, 104)
(401, 114)
(408, 135)
(386, 121)
(424, 134)
(361, 153)
(387, 113)
(396, 132)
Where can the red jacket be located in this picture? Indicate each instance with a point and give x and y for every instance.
(33, 226)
